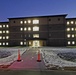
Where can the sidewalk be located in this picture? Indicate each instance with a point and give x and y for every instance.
(28, 62)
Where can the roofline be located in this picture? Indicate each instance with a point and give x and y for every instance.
(4, 22)
(70, 18)
(39, 16)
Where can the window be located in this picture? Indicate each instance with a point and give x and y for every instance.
(72, 35)
(3, 25)
(35, 21)
(29, 21)
(75, 22)
(35, 35)
(0, 37)
(21, 22)
(36, 28)
(68, 35)
(73, 42)
(7, 37)
(29, 42)
(0, 43)
(29, 28)
(25, 29)
(0, 32)
(25, 22)
(3, 37)
(0, 26)
(14, 22)
(21, 29)
(68, 29)
(21, 43)
(29, 35)
(58, 19)
(6, 43)
(7, 31)
(3, 43)
(7, 26)
(72, 22)
(3, 31)
(24, 43)
(67, 22)
(72, 29)
(68, 42)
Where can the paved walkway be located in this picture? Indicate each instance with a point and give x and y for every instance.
(29, 61)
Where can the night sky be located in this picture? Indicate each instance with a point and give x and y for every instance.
(24, 8)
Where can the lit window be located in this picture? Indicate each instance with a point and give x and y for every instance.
(29, 42)
(21, 43)
(73, 42)
(29, 21)
(68, 23)
(3, 43)
(3, 25)
(0, 26)
(21, 29)
(3, 37)
(29, 28)
(7, 26)
(6, 43)
(24, 43)
(7, 31)
(7, 37)
(72, 35)
(35, 28)
(72, 29)
(35, 21)
(68, 35)
(25, 22)
(0, 32)
(25, 29)
(68, 29)
(3, 31)
(21, 22)
(68, 42)
(35, 35)
(0, 43)
(72, 22)
(0, 37)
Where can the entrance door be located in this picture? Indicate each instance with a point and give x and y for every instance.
(36, 43)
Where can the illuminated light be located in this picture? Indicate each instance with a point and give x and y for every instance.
(21, 22)
(21, 29)
(35, 21)
(68, 35)
(29, 28)
(72, 35)
(6, 43)
(72, 22)
(3, 31)
(25, 22)
(7, 26)
(25, 29)
(68, 29)
(0, 32)
(0, 43)
(69, 43)
(3, 37)
(36, 28)
(73, 42)
(35, 35)
(7, 37)
(0, 37)
(3, 43)
(68, 23)
(0, 26)
(3, 25)
(21, 43)
(72, 29)
(29, 43)
(29, 21)
(24, 43)
(7, 31)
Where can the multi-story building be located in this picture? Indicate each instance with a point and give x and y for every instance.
(54, 30)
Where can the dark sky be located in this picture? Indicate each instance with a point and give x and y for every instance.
(23, 8)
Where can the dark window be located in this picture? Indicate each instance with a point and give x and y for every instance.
(49, 19)
(58, 19)
(14, 22)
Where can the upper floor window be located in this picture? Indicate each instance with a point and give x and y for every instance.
(35, 35)
(3, 25)
(67, 22)
(72, 22)
(68, 29)
(25, 22)
(21, 22)
(7, 26)
(35, 21)
(29, 28)
(35, 28)
(0, 26)
(29, 21)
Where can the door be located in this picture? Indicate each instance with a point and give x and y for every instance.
(36, 43)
